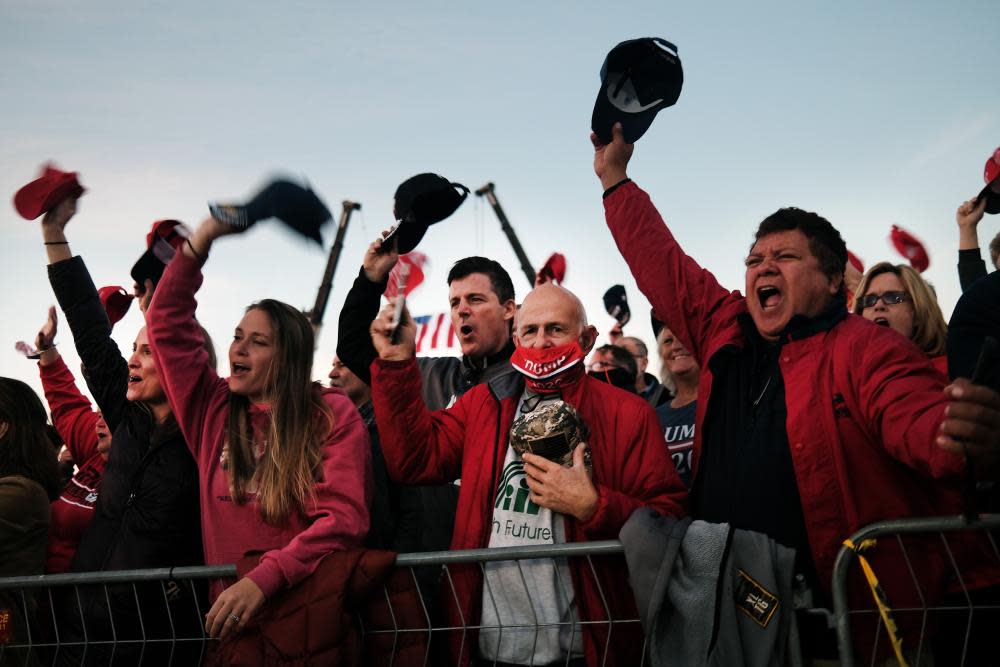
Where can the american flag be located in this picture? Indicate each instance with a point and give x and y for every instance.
(434, 332)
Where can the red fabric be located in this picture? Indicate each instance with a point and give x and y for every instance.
(336, 518)
(313, 623)
(991, 171)
(548, 370)
(415, 260)
(855, 261)
(45, 192)
(72, 511)
(554, 268)
(940, 362)
(172, 231)
(909, 247)
(116, 302)
(863, 406)
(631, 469)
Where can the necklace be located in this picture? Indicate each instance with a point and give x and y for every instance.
(762, 391)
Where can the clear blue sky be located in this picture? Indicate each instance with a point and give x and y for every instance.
(868, 113)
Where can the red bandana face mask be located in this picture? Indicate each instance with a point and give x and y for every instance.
(548, 370)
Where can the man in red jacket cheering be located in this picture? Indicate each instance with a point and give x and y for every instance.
(603, 458)
(811, 422)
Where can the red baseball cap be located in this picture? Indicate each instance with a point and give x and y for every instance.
(991, 174)
(116, 302)
(555, 268)
(910, 247)
(45, 192)
(162, 243)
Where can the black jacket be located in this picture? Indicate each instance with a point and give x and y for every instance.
(147, 514)
(971, 267)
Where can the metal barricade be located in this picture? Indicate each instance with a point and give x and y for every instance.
(957, 611)
(124, 617)
(148, 631)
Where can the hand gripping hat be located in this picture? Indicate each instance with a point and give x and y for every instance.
(296, 206)
(45, 192)
(552, 431)
(639, 77)
(420, 201)
(162, 242)
(991, 174)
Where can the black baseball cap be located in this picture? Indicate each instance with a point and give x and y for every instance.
(616, 304)
(639, 77)
(421, 201)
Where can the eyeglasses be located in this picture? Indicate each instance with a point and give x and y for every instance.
(888, 298)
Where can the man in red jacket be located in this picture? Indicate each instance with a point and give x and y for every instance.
(512, 499)
(811, 423)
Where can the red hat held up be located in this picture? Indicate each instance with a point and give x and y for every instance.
(116, 302)
(45, 192)
(909, 247)
(555, 268)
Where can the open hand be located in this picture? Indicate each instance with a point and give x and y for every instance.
(564, 490)
(234, 608)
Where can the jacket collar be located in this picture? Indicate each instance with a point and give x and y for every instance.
(489, 367)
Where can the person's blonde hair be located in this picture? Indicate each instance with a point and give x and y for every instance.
(930, 331)
(300, 423)
(666, 377)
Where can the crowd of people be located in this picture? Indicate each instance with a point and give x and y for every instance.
(813, 403)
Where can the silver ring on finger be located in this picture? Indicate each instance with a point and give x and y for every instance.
(234, 618)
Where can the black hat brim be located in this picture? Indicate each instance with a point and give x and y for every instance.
(149, 267)
(992, 198)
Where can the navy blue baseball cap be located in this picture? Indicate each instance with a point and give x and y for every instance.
(639, 77)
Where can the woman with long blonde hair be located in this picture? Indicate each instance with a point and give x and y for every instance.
(285, 463)
(896, 296)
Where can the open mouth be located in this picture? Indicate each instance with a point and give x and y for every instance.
(680, 355)
(132, 379)
(101, 435)
(881, 321)
(240, 369)
(465, 330)
(768, 296)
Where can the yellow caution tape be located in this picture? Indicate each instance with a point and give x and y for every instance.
(880, 600)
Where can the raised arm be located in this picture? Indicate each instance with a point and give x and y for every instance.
(72, 414)
(971, 266)
(105, 370)
(420, 447)
(684, 296)
(354, 344)
(177, 341)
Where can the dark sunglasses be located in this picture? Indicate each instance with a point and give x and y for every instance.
(888, 298)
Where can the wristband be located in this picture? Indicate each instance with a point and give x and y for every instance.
(616, 186)
(197, 254)
(57, 243)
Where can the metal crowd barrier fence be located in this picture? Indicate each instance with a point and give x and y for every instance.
(948, 627)
(156, 617)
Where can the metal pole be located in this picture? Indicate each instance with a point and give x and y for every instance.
(323, 295)
(487, 191)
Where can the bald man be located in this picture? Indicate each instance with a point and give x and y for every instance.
(510, 499)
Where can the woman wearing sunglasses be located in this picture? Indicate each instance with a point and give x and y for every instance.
(896, 296)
